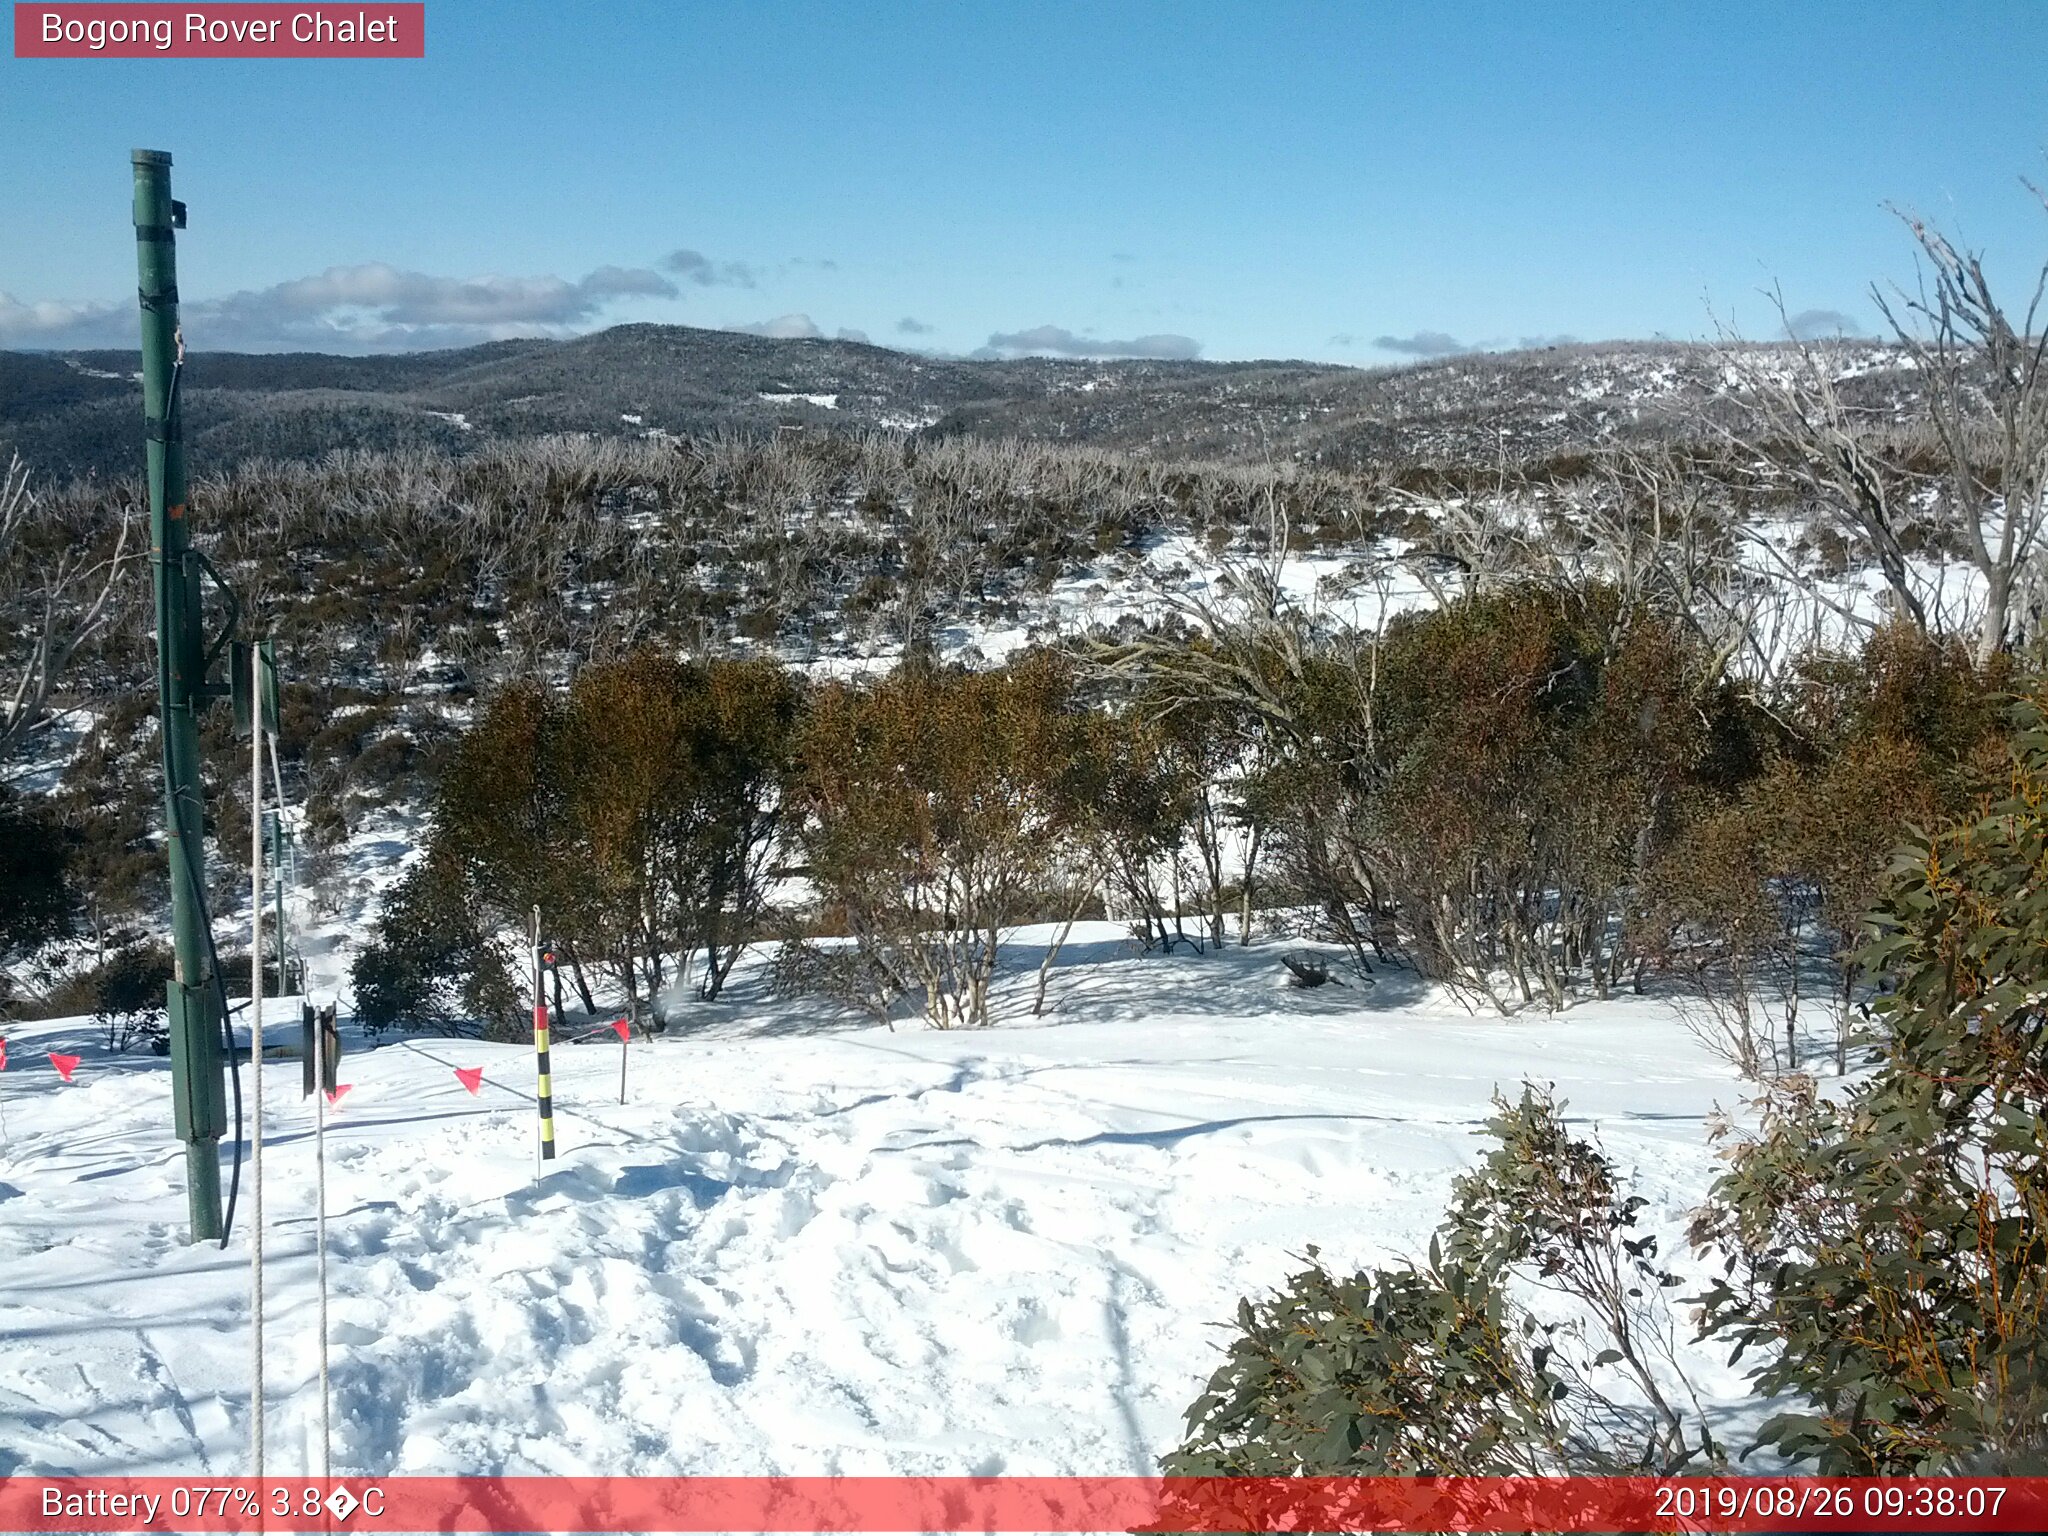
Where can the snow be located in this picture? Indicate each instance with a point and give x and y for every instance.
(805, 1245)
(823, 402)
(52, 748)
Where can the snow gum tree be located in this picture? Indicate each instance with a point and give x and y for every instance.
(640, 813)
(674, 775)
(430, 965)
(940, 810)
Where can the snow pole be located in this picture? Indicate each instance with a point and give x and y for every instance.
(624, 1032)
(256, 733)
(320, 1263)
(545, 1097)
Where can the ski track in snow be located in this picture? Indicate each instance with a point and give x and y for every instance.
(802, 1247)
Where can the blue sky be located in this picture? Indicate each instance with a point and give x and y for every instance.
(1354, 182)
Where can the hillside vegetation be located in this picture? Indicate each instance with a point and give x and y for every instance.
(75, 413)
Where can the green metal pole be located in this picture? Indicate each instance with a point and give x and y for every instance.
(192, 1004)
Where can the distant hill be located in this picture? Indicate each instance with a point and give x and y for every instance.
(78, 413)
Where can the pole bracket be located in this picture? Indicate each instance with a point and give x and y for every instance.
(205, 687)
(199, 1105)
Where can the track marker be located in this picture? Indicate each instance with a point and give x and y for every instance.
(65, 1065)
(470, 1077)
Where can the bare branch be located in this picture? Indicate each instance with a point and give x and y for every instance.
(49, 607)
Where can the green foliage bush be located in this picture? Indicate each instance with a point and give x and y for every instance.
(1387, 1372)
(128, 996)
(36, 898)
(1887, 1250)
(1447, 1368)
(427, 965)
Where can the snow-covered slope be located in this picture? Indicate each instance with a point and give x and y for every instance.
(802, 1246)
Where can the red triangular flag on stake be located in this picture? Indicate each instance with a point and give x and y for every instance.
(3, 1055)
(334, 1094)
(622, 1029)
(470, 1077)
(65, 1065)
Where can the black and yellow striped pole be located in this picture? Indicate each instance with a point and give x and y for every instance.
(543, 960)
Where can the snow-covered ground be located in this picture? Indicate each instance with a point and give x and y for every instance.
(802, 1245)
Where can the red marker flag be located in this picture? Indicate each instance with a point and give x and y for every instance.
(3, 1055)
(470, 1077)
(334, 1094)
(65, 1065)
(622, 1029)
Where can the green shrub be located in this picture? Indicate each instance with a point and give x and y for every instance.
(1442, 1368)
(426, 965)
(383, 762)
(128, 992)
(35, 891)
(1887, 1250)
(1391, 1372)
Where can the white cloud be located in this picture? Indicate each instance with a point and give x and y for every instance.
(369, 307)
(695, 267)
(56, 324)
(1065, 343)
(783, 327)
(1422, 344)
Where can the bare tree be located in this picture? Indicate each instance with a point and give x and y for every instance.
(1984, 386)
(1835, 454)
(51, 604)
(1987, 395)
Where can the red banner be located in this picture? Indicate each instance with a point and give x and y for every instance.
(1006, 1504)
(114, 31)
